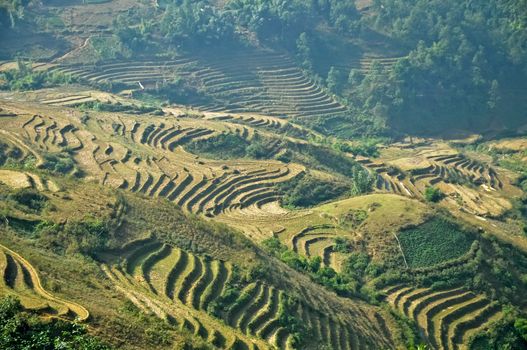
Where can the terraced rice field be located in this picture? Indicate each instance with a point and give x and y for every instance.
(178, 277)
(446, 317)
(179, 286)
(273, 124)
(147, 156)
(69, 100)
(21, 279)
(388, 179)
(451, 172)
(264, 82)
(316, 241)
(18, 179)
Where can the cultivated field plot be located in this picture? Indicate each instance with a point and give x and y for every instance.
(313, 232)
(447, 317)
(470, 185)
(145, 156)
(264, 82)
(180, 287)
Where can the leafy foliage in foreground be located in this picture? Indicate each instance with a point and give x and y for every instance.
(433, 242)
(22, 330)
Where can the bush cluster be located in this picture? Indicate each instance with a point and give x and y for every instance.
(25, 78)
(23, 330)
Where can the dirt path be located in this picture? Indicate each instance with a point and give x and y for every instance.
(69, 53)
(79, 310)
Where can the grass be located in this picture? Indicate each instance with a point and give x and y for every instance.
(434, 242)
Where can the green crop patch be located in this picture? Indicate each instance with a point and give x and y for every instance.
(436, 241)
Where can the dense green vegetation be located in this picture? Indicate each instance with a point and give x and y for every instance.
(284, 21)
(26, 78)
(29, 198)
(357, 269)
(433, 194)
(23, 330)
(433, 242)
(306, 190)
(281, 22)
(11, 12)
(508, 333)
(224, 146)
(464, 59)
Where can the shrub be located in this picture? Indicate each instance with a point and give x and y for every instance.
(362, 181)
(224, 146)
(366, 148)
(9, 154)
(30, 198)
(21, 330)
(307, 190)
(509, 332)
(286, 310)
(25, 78)
(353, 218)
(116, 107)
(343, 245)
(86, 236)
(433, 194)
(60, 163)
(180, 91)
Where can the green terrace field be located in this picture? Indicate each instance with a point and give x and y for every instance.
(433, 242)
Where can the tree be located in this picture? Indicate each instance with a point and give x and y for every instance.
(355, 77)
(494, 96)
(334, 80)
(521, 327)
(362, 181)
(303, 50)
(433, 194)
